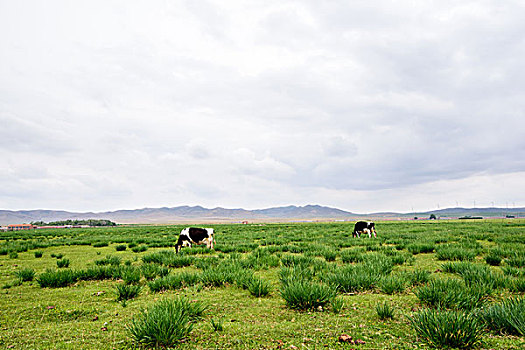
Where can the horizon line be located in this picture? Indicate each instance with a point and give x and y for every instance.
(273, 207)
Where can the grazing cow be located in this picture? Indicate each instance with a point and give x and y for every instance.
(195, 235)
(364, 227)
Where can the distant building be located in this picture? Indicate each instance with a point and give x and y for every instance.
(18, 227)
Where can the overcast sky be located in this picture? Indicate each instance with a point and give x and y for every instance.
(361, 105)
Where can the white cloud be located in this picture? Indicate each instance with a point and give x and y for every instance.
(362, 105)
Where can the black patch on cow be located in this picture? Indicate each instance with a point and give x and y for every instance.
(198, 234)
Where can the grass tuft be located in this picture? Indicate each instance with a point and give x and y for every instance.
(120, 247)
(385, 311)
(126, 292)
(25, 275)
(448, 329)
(305, 295)
(258, 287)
(507, 317)
(56, 279)
(63, 263)
(392, 284)
(418, 277)
(165, 323)
(452, 294)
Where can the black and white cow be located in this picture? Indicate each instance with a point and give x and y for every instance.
(195, 235)
(364, 227)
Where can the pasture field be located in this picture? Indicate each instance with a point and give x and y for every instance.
(268, 286)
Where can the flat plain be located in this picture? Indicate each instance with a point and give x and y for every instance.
(66, 288)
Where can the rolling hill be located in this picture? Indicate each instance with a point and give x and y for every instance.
(200, 214)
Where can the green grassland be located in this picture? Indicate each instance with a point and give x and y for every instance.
(84, 313)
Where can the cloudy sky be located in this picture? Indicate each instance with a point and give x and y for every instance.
(361, 105)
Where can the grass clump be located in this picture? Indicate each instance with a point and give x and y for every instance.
(120, 247)
(139, 249)
(329, 254)
(421, 248)
(259, 287)
(25, 275)
(455, 252)
(418, 277)
(39, 254)
(109, 260)
(351, 256)
(150, 271)
(295, 273)
(507, 317)
(226, 273)
(260, 259)
(178, 281)
(130, 275)
(98, 273)
(165, 323)
(476, 274)
(378, 264)
(168, 258)
(56, 279)
(451, 294)
(392, 284)
(385, 311)
(126, 292)
(306, 295)
(448, 329)
(63, 263)
(350, 278)
(289, 260)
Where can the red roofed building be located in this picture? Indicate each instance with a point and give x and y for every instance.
(19, 227)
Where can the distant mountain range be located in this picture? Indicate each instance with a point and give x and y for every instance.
(197, 214)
